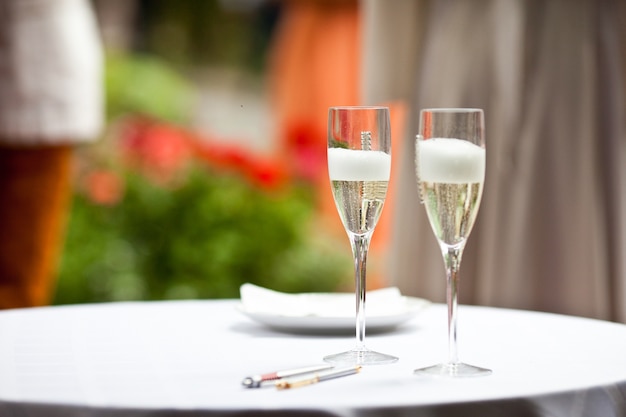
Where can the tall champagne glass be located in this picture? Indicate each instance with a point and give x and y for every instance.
(450, 167)
(359, 165)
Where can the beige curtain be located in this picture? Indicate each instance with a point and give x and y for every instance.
(551, 233)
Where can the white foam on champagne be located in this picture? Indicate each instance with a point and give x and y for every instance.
(451, 161)
(358, 165)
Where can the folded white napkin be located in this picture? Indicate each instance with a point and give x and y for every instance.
(382, 302)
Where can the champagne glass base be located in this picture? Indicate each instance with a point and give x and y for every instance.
(454, 370)
(360, 357)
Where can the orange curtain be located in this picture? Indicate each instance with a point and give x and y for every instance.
(315, 64)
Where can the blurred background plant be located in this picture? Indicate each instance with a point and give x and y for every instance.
(162, 211)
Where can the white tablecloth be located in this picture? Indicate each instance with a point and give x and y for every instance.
(189, 357)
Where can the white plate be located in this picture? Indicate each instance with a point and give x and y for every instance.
(319, 324)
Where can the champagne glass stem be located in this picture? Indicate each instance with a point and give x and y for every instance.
(360, 246)
(452, 260)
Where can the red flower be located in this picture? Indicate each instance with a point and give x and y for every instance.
(264, 172)
(305, 149)
(267, 173)
(161, 151)
(158, 149)
(104, 187)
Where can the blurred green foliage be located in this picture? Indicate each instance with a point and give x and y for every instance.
(200, 240)
(201, 237)
(224, 33)
(147, 85)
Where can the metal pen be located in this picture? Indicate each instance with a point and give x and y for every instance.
(318, 377)
(255, 381)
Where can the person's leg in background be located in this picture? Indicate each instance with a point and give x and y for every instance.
(51, 100)
(35, 190)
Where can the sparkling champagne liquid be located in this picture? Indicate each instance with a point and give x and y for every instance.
(359, 203)
(451, 209)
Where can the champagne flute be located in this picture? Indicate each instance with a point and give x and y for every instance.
(359, 165)
(450, 167)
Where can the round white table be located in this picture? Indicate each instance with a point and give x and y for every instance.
(188, 358)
